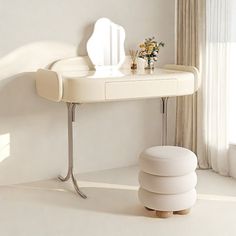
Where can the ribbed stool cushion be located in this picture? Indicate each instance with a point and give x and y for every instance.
(167, 185)
(167, 161)
(171, 202)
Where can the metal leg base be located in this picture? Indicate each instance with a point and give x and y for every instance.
(70, 174)
(164, 103)
(76, 187)
(63, 179)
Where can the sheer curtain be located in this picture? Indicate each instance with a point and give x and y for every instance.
(217, 83)
(210, 115)
(232, 89)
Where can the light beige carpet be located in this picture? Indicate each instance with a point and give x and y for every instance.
(51, 208)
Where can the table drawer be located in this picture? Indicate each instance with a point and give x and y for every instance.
(140, 89)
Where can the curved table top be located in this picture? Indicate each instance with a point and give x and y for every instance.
(73, 84)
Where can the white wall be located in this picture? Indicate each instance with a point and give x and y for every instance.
(33, 142)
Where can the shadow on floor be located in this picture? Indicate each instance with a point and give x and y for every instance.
(102, 200)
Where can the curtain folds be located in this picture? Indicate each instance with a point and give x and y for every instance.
(190, 45)
(204, 40)
(216, 83)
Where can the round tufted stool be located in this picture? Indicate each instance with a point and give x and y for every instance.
(167, 180)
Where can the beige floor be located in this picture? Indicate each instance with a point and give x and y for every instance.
(50, 208)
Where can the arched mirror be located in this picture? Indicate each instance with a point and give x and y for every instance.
(106, 45)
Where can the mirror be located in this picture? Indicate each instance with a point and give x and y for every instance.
(106, 45)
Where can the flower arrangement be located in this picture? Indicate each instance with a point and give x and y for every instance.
(149, 51)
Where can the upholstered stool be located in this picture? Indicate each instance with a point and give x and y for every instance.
(167, 180)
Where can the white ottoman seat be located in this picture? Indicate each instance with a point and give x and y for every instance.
(167, 185)
(167, 179)
(156, 160)
(167, 202)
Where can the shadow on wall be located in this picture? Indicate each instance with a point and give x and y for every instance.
(33, 56)
(23, 115)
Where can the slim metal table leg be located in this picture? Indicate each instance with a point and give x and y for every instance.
(164, 103)
(70, 173)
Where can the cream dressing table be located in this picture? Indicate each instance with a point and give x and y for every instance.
(107, 77)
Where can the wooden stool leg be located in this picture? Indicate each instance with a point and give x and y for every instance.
(182, 212)
(149, 209)
(164, 214)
